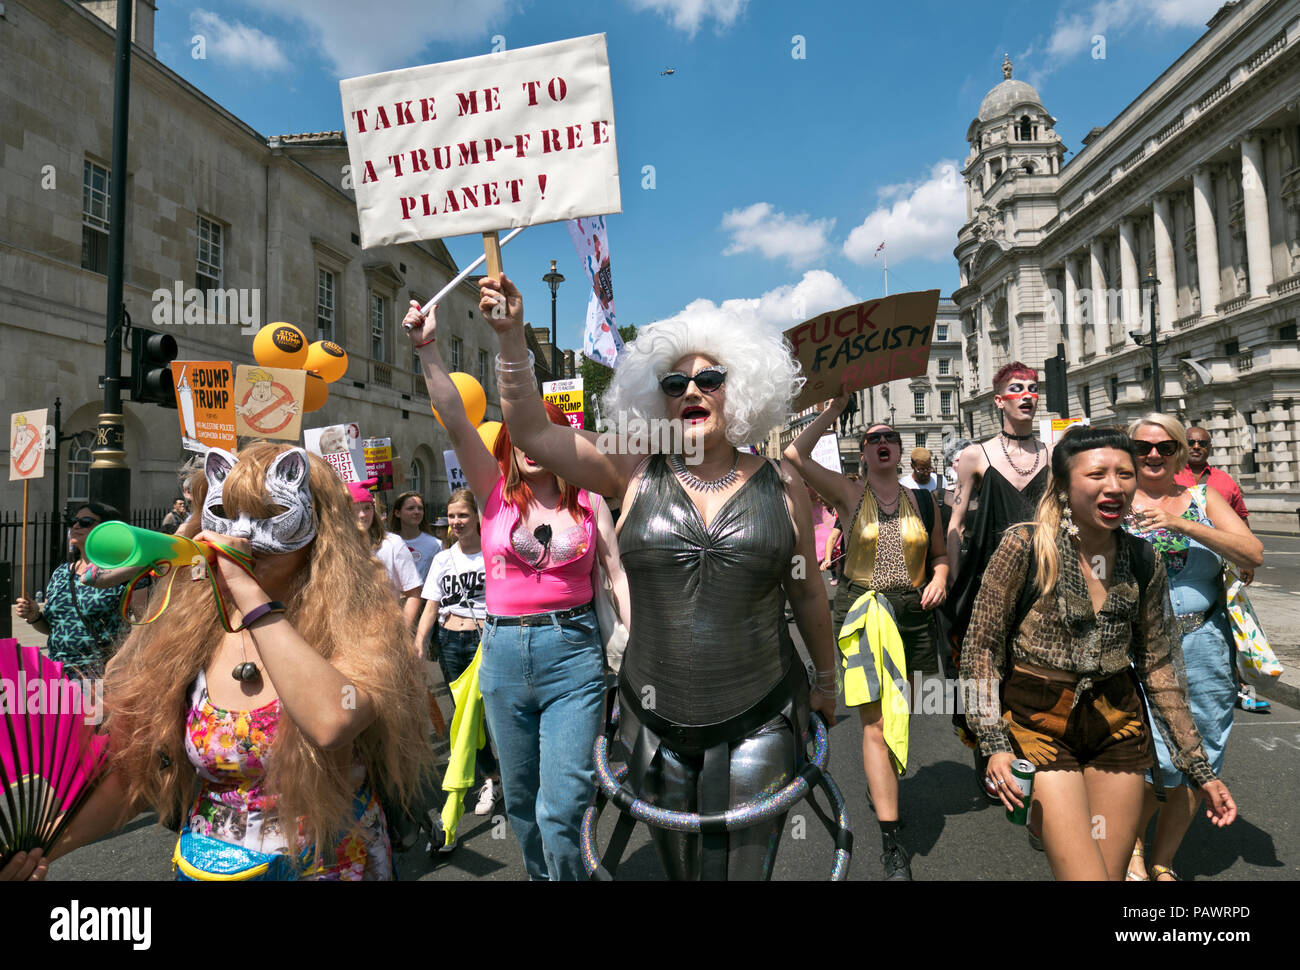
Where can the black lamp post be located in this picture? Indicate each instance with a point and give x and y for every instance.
(553, 280)
(1149, 284)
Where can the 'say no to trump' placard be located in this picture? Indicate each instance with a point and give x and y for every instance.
(509, 139)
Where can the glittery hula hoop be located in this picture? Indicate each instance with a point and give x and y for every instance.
(761, 809)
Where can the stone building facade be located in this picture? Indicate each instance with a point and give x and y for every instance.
(1195, 188)
(213, 207)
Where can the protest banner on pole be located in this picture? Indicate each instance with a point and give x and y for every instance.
(205, 404)
(513, 138)
(567, 396)
(864, 345)
(268, 402)
(379, 461)
(26, 461)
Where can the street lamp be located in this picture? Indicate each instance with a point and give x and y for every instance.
(1149, 284)
(553, 280)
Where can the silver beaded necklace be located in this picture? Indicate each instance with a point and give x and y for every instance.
(696, 484)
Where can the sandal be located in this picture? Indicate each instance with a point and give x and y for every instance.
(1129, 874)
(1158, 871)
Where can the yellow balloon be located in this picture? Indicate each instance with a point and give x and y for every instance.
(471, 395)
(280, 345)
(488, 431)
(326, 359)
(315, 395)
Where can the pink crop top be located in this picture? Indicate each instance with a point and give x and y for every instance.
(515, 588)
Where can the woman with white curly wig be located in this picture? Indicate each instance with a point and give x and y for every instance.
(714, 697)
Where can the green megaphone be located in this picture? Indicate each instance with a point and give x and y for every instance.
(115, 545)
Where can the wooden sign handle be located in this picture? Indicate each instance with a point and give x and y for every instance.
(492, 251)
(23, 585)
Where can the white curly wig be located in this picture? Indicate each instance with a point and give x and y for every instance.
(763, 376)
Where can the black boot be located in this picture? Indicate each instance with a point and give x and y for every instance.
(894, 859)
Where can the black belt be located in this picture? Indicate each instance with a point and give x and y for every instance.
(539, 619)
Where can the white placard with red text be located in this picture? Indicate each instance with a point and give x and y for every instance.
(514, 138)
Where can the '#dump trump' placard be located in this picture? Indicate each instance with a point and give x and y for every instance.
(864, 345)
(485, 143)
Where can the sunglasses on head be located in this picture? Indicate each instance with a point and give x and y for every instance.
(888, 437)
(86, 522)
(1166, 449)
(707, 380)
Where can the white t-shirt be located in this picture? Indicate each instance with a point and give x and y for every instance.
(397, 560)
(907, 481)
(459, 584)
(422, 549)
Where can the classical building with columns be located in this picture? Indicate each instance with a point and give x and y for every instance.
(1186, 205)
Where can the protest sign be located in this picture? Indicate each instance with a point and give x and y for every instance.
(601, 340)
(827, 452)
(205, 404)
(27, 445)
(864, 345)
(1051, 429)
(379, 461)
(340, 445)
(268, 402)
(455, 477)
(513, 138)
(567, 396)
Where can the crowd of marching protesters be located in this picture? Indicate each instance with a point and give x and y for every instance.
(1079, 584)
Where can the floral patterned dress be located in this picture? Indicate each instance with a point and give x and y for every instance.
(228, 749)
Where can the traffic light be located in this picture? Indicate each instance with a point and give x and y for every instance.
(151, 376)
(1057, 396)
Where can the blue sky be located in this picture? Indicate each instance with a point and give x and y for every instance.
(775, 176)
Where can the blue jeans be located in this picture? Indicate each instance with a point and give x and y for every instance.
(544, 694)
(456, 650)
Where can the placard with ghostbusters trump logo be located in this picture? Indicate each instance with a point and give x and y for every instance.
(268, 402)
(27, 445)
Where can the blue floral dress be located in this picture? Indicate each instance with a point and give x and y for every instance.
(75, 643)
(1196, 589)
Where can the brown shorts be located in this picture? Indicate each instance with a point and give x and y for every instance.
(1105, 729)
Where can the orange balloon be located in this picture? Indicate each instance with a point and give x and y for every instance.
(326, 359)
(471, 395)
(315, 395)
(488, 431)
(280, 345)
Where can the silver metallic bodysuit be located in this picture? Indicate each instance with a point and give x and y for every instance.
(708, 643)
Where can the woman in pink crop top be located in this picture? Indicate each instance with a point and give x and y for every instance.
(542, 673)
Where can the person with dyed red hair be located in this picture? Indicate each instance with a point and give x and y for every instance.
(1008, 474)
(542, 671)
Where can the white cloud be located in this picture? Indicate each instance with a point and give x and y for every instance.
(687, 15)
(1073, 34)
(356, 41)
(797, 239)
(780, 308)
(236, 43)
(915, 220)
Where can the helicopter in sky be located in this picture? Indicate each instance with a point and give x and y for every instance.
(666, 71)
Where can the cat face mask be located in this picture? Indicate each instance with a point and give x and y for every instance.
(286, 485)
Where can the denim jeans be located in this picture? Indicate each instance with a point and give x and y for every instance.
(456, 650)
(544, 693)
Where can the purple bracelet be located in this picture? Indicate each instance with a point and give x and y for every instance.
(257, 612)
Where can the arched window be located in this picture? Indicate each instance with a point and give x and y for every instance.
(1026, 130)
(1028, 166)
(417, 479)
(79, 459)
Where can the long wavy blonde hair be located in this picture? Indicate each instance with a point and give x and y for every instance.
(342, 604)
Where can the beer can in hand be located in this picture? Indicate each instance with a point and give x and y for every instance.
(1024, 775)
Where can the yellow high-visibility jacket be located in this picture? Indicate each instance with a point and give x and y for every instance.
(467, 736)
(880, 672)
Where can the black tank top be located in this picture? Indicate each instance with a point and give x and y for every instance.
(708, 638)
(1001, 505)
